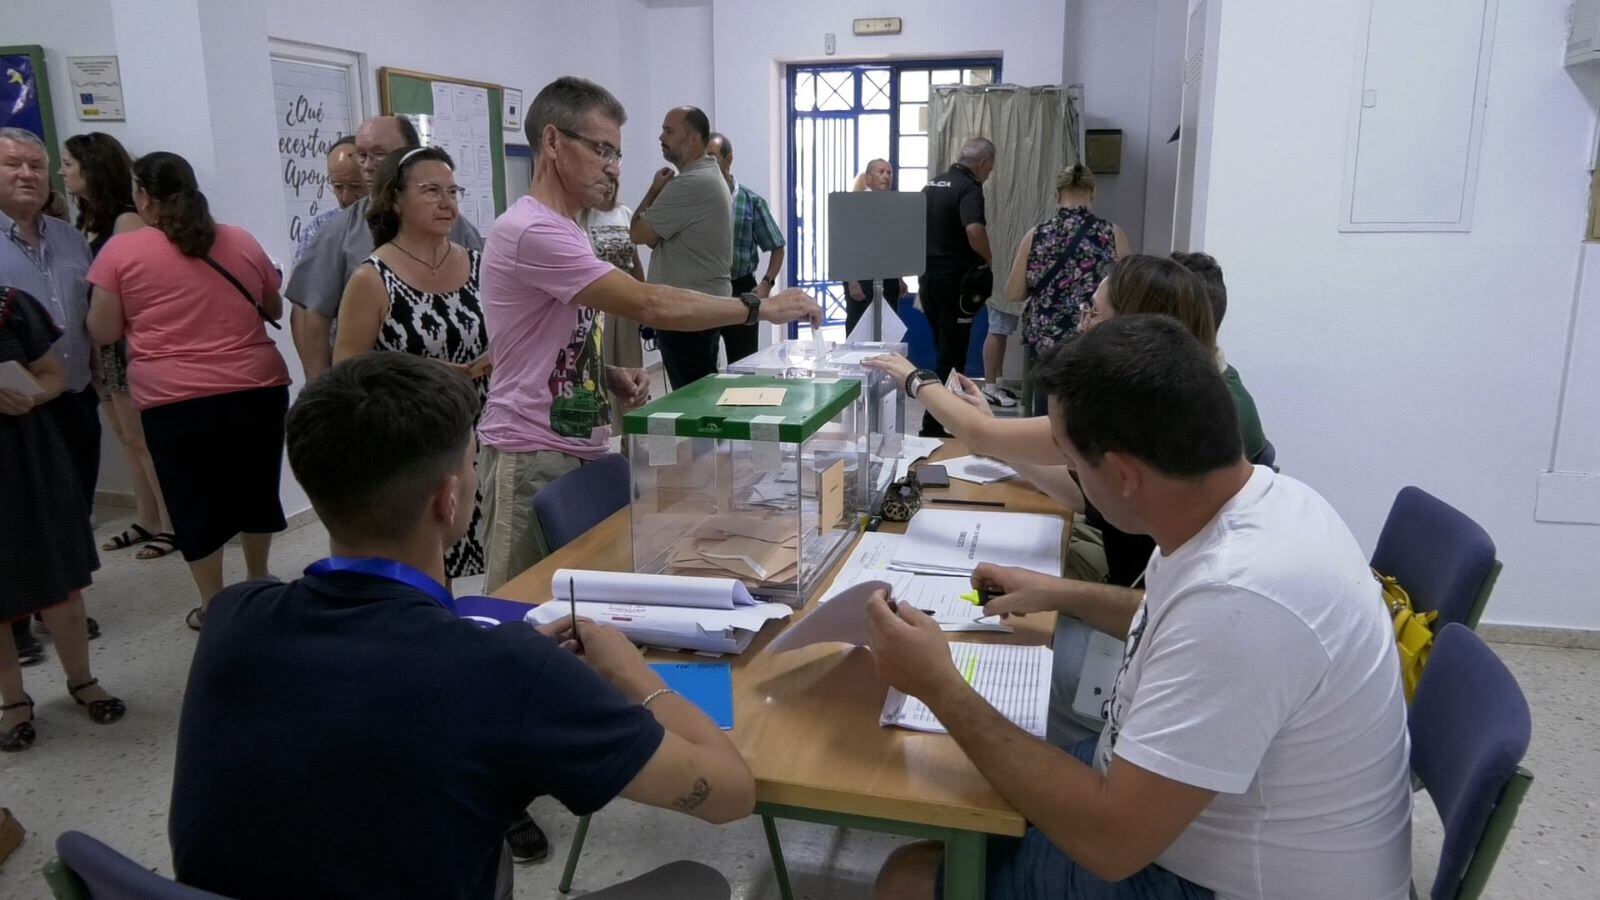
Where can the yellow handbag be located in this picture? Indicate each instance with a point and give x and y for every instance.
(1413, 632)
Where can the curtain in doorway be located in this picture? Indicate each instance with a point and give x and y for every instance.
(1035, 132)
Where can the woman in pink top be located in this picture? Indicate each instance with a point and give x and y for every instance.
(192, 298)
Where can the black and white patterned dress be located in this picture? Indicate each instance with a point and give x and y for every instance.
(447, 327)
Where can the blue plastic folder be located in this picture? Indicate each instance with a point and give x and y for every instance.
(490, 611)
(706, 685)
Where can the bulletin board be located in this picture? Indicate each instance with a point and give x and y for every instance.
(25, 100)
(463, 117)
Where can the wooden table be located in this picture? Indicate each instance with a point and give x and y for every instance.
(807, 721)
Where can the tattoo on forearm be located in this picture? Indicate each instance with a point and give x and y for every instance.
(696, 796)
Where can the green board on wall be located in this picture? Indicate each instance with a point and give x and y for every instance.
(403, 92)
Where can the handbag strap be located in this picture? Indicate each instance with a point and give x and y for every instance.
(1077, 238)
(242, 291)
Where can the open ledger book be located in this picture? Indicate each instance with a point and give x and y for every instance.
(708, 615)
(1015, 681)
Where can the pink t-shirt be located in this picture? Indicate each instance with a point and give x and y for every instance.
(547, 390)
(190, 333)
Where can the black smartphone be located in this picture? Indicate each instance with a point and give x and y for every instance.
(933, 476)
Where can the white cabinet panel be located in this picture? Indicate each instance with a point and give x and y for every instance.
(1417, 113)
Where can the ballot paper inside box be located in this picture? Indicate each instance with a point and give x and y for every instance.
(881, 402)
(770, 495)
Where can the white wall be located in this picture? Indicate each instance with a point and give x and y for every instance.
(1128, 55)
(1381, 360)
(1109, 50)
(755, 38)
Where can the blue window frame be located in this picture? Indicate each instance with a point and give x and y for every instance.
(842, 115)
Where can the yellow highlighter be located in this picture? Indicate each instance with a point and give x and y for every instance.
(980, 597)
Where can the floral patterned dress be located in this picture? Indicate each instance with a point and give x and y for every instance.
(1052, 313)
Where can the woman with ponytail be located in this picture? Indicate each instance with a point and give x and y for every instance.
(192, 299)
(99, 176)
(1059, 263)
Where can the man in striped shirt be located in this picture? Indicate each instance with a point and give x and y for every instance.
(754, 232)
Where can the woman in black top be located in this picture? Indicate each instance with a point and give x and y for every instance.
(46, 542)
(99, 175)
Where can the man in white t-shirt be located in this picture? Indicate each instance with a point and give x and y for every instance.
(1257, 743)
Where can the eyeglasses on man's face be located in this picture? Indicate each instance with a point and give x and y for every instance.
(607, 153)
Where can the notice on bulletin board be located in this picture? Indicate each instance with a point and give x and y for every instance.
(96, 88)
(460, 126)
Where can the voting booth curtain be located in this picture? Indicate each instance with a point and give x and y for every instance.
(1036, 132)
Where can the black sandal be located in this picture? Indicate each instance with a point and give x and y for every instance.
(133, 534)
(195, 618)
(159, 545)
(21, 735)
(101, 712)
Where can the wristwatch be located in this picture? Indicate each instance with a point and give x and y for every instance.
(752, 304)
(917, 379)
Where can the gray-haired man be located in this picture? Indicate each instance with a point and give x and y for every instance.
(952, 286)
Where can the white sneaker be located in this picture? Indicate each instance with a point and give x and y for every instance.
(999, 396)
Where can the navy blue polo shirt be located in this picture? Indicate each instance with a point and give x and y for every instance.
(347, 736)
(955, 200)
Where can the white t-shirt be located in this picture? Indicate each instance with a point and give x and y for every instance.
(1262, 666)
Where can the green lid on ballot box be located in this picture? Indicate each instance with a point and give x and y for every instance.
(697, 410)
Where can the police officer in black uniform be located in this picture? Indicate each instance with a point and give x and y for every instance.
(957, 280)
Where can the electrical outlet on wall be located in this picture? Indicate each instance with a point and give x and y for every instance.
(887, 25)
(828, 45)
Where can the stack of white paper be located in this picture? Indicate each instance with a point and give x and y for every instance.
(712, 615)
(978, 469)
(954, 541)
(1015, 681)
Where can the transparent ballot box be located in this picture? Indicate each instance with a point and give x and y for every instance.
(881, 402)
(748, 477)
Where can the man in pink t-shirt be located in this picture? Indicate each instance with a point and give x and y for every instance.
(545, 296)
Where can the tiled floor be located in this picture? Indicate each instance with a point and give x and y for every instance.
(114, 781)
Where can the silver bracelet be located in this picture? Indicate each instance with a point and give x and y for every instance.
(656, 693)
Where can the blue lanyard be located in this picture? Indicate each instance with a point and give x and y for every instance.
(386, 568)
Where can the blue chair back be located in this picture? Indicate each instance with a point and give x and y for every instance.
(87, 868)
(582, 499)
(1470, 728)
(1443, 559)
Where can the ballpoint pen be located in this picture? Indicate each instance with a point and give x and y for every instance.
(572, 599)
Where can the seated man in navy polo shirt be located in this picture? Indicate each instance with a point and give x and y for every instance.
(345, 735)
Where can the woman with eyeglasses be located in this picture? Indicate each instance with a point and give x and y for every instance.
(418, 293)
(1137, 284)
(192, 297)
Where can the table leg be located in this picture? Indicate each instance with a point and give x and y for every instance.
(965, 869)
(573, 854)
(779, 871)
